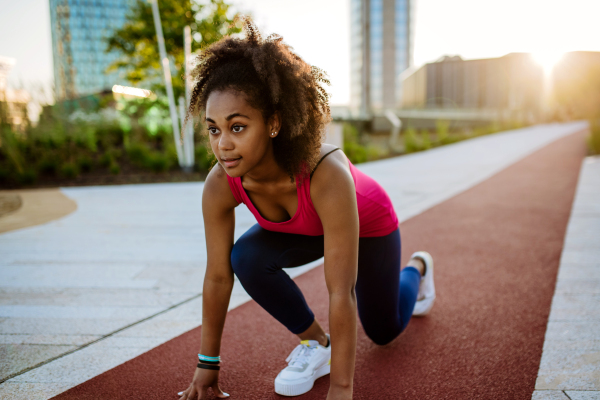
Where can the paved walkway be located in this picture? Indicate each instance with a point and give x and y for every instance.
(570, 365)
(123, 273)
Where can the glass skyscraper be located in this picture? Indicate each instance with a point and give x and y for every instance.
(78, 29)
(381, 39)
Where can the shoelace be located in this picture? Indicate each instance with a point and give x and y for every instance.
(300, 356)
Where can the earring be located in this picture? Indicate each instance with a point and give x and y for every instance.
(273, 133)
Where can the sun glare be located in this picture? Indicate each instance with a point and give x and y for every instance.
(131, 91)
(547, 60)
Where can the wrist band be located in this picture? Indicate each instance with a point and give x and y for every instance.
(209, 359)
(207, 366)
(210, 362)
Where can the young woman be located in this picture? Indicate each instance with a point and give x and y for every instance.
(265, 112)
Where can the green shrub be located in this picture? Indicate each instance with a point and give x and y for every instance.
(110, 136)
(105, 160)
(11, 149)
(69, 170)
(48, 165)
(114, 168)
(204, 158)
(425, 140)
(373, 153)
(442, 130)
(355, 152)
(85, 137)
(4, 174)
(593, 139)
(171, 153)
(350, 133)
(27, 177)
(139, 155)
(159, 162)
(116, 153)
(411, 143)
(85, 163)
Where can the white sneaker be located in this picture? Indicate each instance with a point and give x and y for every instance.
(308, 362)
(426, 296)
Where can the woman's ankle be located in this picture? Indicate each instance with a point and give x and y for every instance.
(418, 264)
(315, 332)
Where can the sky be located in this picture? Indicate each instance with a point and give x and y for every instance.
(319, 32)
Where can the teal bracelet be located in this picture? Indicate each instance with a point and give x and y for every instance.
(209, 359)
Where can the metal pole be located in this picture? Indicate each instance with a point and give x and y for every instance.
(189, 134)
(187, 164)
(168, 83)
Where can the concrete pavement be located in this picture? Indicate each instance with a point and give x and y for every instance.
(123, 273)
(570, 365)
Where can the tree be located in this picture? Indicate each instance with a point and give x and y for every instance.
(137, 45)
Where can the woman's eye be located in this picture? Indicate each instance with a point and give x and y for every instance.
(213, 130)
(237, 128)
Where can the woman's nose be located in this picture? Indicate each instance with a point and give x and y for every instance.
(225, 142)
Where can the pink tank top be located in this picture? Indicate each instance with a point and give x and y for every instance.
(375, 211)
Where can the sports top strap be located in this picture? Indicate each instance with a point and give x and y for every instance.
(322, 158)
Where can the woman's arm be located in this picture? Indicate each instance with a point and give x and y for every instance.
(334, 197)
(218, 206)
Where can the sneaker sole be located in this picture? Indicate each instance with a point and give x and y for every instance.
(423, 307)
(301, 387)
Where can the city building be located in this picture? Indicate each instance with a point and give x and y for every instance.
(575, 86)
(381, 40)
(78, 31)
(13, 102)
(508, 87)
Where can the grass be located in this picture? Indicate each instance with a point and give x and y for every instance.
(356, 151)
(593, 140)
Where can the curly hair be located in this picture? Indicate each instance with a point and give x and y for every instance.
(274, 79)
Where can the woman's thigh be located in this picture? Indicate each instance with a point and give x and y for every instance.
(260, 249)
(257, 259)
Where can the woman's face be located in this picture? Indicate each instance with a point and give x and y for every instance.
(239, 136)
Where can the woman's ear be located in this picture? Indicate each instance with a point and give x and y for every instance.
(274, 124)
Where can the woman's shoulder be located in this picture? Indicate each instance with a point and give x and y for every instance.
(332, 173)
(217, 189)
(328, 148)
(333, 161)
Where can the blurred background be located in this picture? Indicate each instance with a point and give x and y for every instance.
(92, 91)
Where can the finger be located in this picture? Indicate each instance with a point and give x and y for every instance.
(186, 394)
(203, 394)
(218, 392)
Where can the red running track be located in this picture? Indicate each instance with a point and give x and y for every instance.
(497, 248)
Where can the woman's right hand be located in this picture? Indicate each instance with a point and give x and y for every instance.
(198, 389)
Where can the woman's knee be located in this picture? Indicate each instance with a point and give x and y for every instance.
(382, 332)
(382, 338)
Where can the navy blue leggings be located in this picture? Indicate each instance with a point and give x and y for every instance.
(385, 296)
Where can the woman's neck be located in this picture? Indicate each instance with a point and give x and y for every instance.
(267, 170)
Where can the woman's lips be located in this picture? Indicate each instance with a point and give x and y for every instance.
(231, 162)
